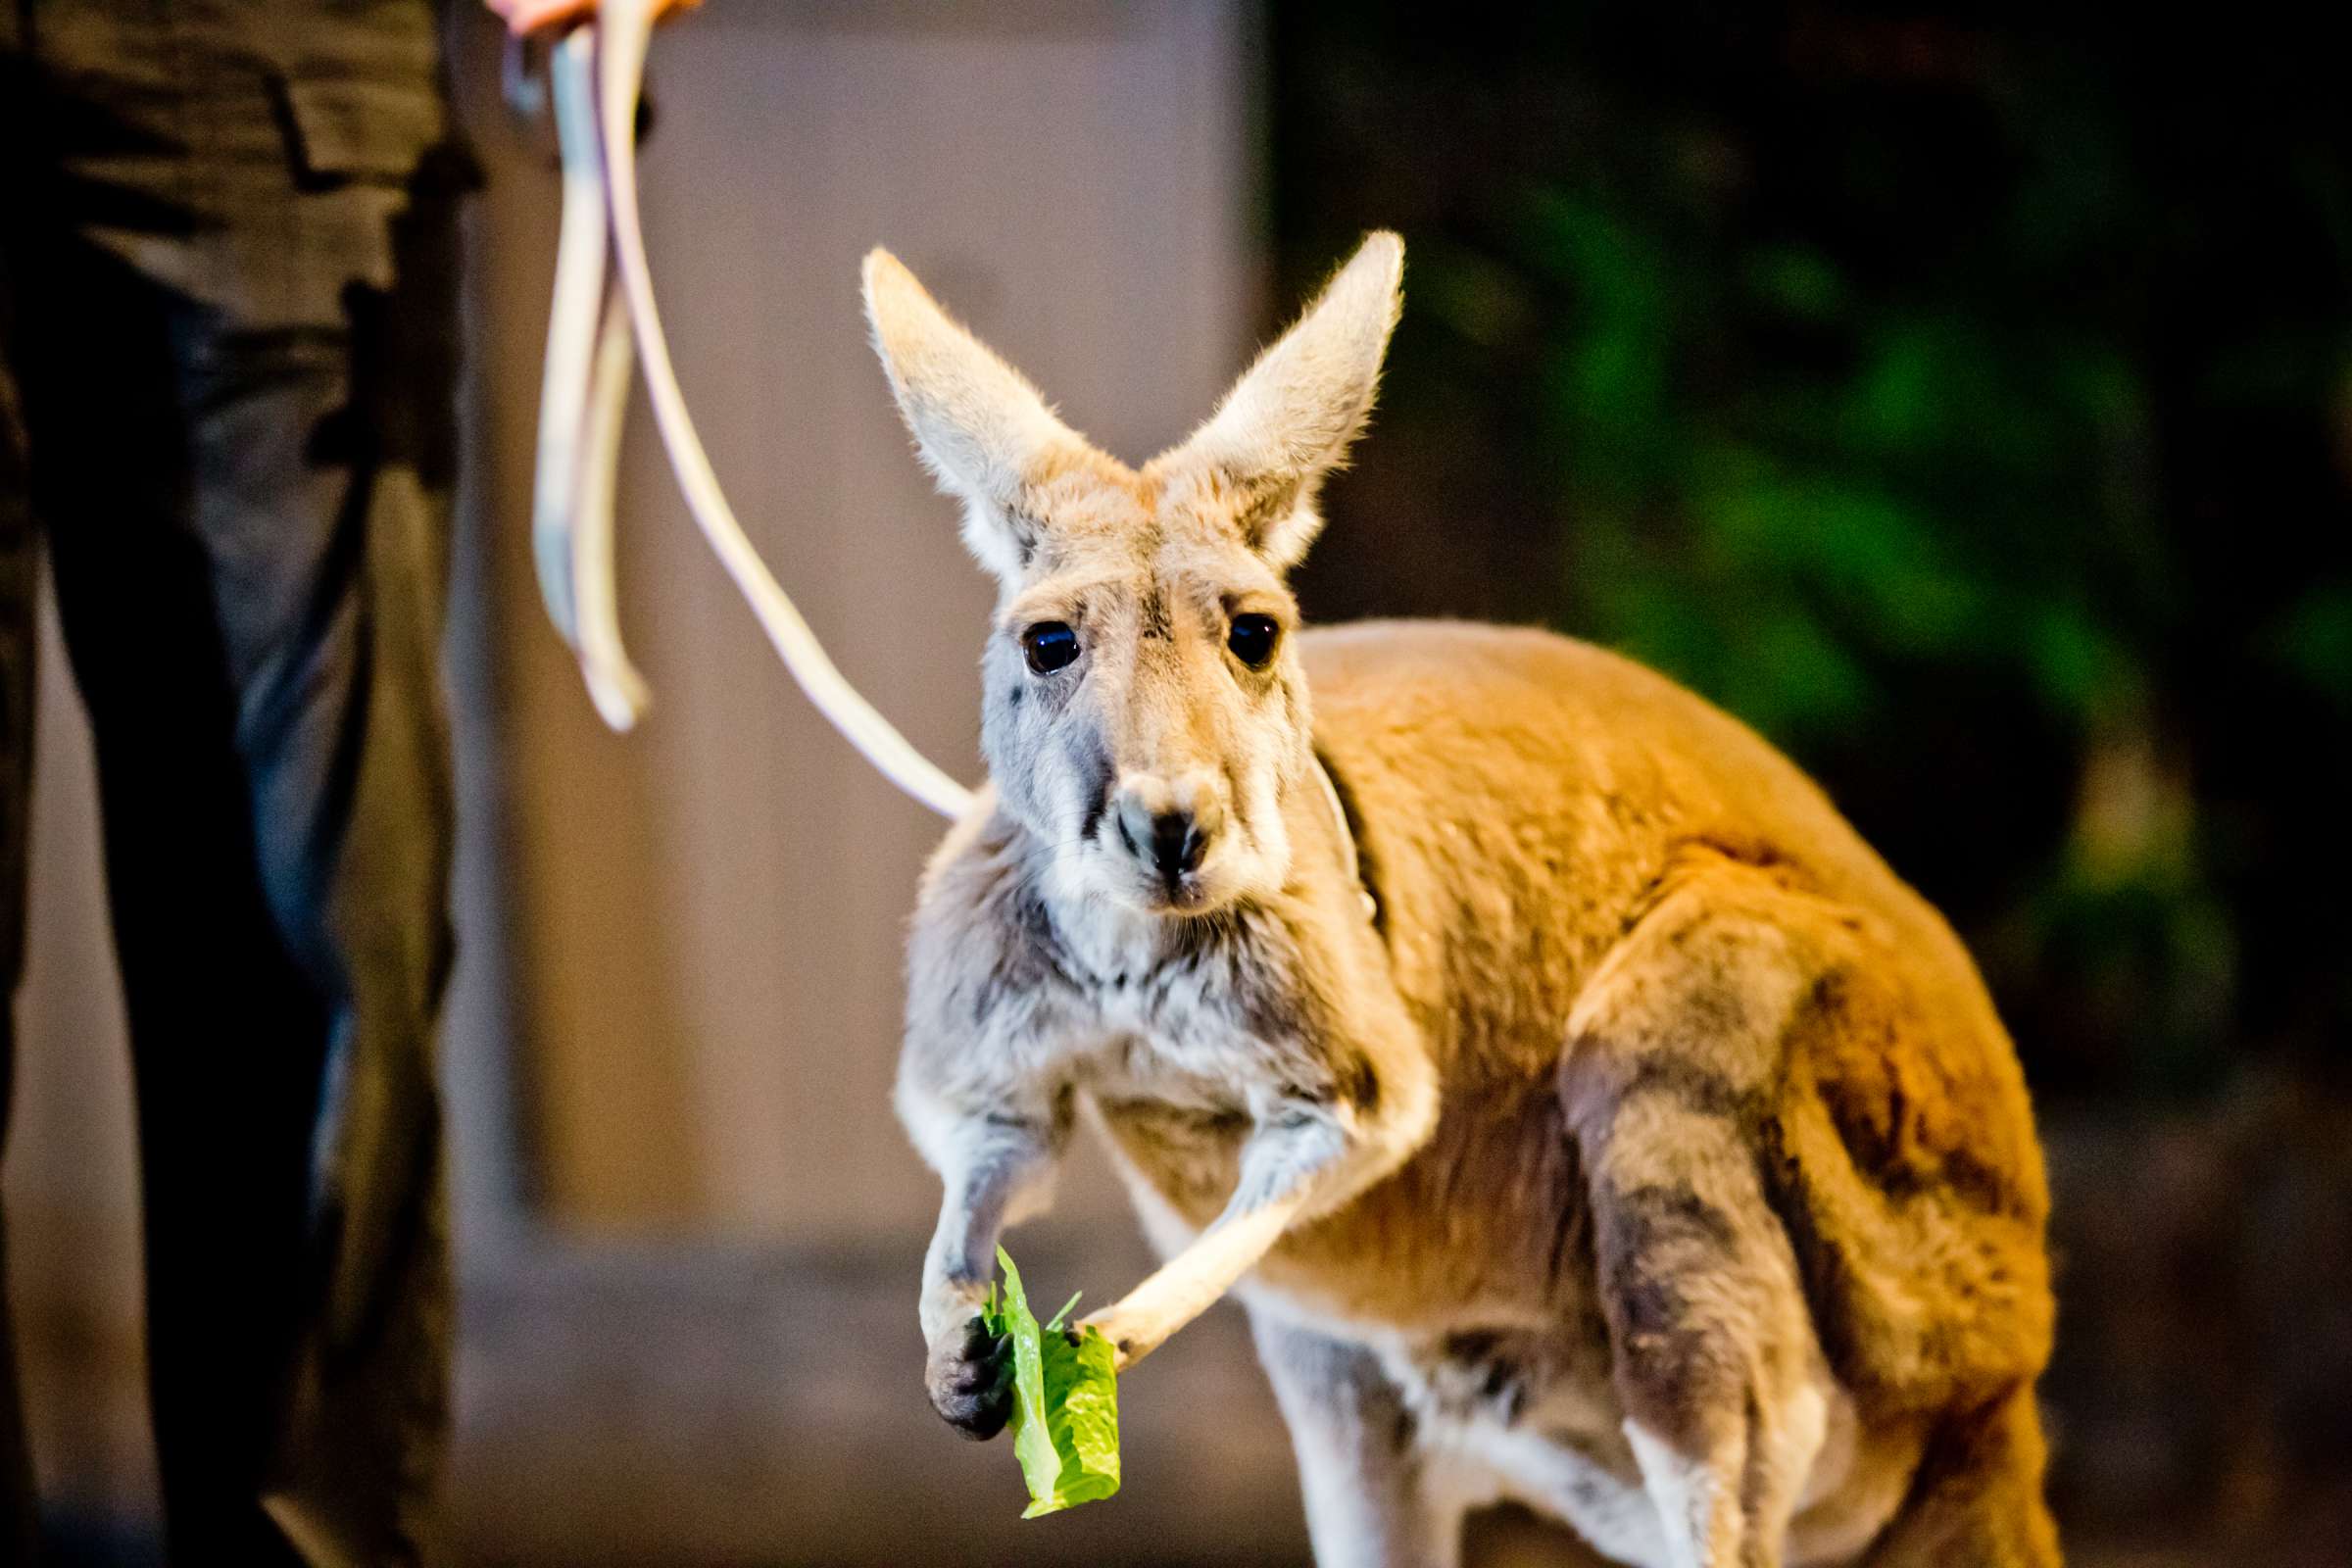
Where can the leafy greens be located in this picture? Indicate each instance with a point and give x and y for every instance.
(1066, 1400)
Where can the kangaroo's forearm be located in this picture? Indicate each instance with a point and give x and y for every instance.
(994, 1171)
(1191, 1283)
(1301, 1162)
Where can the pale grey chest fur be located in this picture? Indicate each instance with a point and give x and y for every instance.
(1021, 983)
(1201, 1019)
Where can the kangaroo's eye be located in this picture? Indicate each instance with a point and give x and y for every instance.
(1050, 646)
(1252, 639)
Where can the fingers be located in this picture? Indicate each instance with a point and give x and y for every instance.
(536, 16)
(532, 15)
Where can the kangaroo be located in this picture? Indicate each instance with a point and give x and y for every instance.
(1583, 1112)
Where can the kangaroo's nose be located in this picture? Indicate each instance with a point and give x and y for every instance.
(1168, 835)
(1175, 844)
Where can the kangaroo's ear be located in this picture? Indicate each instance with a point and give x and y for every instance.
(980, 426)
(1289, 419)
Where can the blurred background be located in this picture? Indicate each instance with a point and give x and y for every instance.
(1964, 399)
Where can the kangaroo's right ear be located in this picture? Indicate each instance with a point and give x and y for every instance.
(1288, 420)
(979, 424)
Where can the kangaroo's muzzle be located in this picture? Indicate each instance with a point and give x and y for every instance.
(1167, 829)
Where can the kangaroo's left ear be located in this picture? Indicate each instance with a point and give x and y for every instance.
(1289, 419)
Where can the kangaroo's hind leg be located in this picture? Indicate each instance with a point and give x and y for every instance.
(1371, 1501)
(1668, 1079)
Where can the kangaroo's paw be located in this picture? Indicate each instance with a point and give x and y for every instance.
(969, 1377)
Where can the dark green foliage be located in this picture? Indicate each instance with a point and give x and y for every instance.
(1968, 405)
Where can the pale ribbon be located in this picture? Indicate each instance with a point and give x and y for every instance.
(604, 301)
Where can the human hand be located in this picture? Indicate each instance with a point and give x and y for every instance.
(546, 16)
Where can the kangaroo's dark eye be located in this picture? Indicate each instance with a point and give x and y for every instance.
(1252, 639)
(1050, 646)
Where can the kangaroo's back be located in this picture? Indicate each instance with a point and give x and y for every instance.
(1513, 786)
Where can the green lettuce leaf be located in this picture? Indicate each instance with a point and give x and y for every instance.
(1065, 1402)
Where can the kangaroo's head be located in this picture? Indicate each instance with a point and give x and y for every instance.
(1147, 713)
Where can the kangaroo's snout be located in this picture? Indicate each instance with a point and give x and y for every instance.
(1168, 828)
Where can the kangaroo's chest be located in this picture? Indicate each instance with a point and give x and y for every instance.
(1179, 1088)
(1202, 1026)
(1171, 1047)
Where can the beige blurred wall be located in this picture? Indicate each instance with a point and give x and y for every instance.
(71, 1212)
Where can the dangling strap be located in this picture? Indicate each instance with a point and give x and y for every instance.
(584, 397)
(581, 409)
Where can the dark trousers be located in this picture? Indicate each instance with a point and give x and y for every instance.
(226, 361)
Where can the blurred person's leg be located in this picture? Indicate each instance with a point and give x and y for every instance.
(237, 380)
